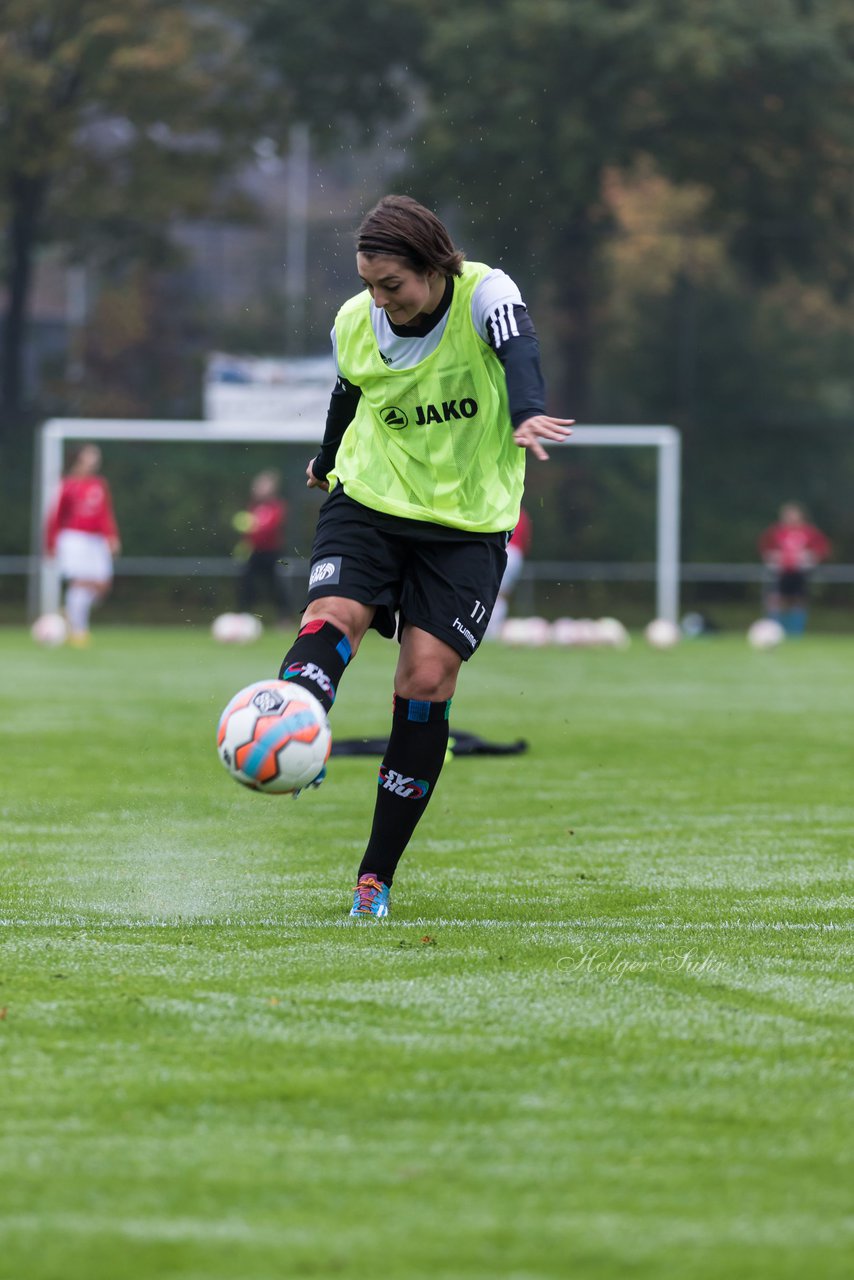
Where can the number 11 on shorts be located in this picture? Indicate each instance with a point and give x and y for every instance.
(478, 611)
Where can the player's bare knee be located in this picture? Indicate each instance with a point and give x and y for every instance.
(429, 681)
(347, 615)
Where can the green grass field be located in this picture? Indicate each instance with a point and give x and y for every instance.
(606, 1032)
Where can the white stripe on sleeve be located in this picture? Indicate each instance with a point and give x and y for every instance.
(492, 306)
(503, 322)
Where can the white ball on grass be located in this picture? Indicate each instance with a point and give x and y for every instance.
(250, 628)
(512, 630)
(50, 630)
(563, 631)
(613, 634)
(577, 633)
(236, 628)
(538, 631)
(661, 633)
(586, 633)
(766, 633)
(224, 628)
(529, 632)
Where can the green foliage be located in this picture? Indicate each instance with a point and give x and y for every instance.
(341, 68)
(671, 183)
(115, 120)
(125, 114)
(758, 103)
(531, 104)
(759, 383)
(608, 1018)
(532, 101)
(540, 114)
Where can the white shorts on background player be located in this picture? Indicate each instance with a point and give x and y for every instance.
(84, 557)
(515, 560)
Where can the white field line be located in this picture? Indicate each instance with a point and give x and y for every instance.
(767, 1229)
(583, 923)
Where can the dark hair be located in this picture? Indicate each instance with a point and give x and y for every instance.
(402, 228)
(77, 453)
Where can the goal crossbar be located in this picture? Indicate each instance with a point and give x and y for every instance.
(45, 589)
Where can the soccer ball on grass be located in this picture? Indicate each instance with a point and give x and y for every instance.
(765, 633)
(661, 633)
(50, 630)
(527, 632)
(274, 736)
(236, 628)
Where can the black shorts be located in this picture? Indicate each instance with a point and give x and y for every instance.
(443, 580)
(792, 583)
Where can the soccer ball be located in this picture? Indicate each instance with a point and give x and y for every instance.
(564, 631)
(226, 628)
(274, 736)
(765, 634)
(250, 629)
(578, 633)
(50, 630)
(662, 634)
(612, 634)
(586, 633)
(529, 632)
(236, 628)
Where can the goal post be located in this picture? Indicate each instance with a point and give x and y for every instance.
(45, 586)
(667, 442)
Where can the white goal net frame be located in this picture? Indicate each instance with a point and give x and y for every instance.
(56, 432)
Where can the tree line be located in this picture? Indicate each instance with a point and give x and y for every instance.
(672, 183)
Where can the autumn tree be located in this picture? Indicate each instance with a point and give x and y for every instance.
(532, 103)
(114, 118)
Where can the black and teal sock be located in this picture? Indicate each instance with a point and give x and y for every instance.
(317, 660)
(408, 776)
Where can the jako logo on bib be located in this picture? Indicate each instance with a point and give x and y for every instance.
(447, 411)
(394, 417)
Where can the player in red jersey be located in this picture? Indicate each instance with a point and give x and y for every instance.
(82, 533)
(517, 548)
(790, 548)
(263, 527)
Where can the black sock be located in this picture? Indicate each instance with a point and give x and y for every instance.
(408, 776)
(316, 660)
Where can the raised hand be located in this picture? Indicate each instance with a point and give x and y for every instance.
(541, 427)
